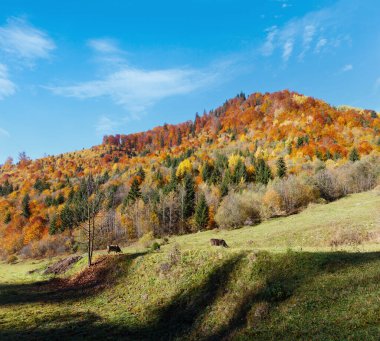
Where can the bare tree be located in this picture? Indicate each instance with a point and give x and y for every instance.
(92, 202)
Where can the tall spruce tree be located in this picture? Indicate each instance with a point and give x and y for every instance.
(263, 172)
(53, 227)
(7, 218)
(134, 193)
(281, 167)
(201, 213)
(354, 155)
(25, 206)
(240, 172)
(189, 199)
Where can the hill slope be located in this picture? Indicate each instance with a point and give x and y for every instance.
(227, 150)
(191, 291)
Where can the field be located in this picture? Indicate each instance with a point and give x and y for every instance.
(282, 279)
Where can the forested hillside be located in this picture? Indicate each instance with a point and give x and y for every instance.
(253, 158)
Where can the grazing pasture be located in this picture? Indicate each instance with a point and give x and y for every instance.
(284, 279)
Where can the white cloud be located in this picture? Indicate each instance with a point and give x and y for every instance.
(4, 133)
(320, 44)
(347, 67)
(137, 89)
(24, 42)
(104, 45)
(269, 46)
(7, 87)
(305, 34)
(288, 49)
(105, 125)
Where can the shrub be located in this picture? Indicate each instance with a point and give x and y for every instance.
(237, 210)
(361, 175)
(47, 247)
(294, 193)
(155, 246)
(12, 259)
(329, 186)
(352, 237)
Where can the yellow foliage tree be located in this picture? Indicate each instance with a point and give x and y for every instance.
(184, 168)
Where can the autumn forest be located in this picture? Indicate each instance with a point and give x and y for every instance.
(253, 158)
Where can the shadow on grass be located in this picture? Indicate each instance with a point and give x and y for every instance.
(281, 276)
(90, 281)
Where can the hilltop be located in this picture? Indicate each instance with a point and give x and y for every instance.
(183, 178)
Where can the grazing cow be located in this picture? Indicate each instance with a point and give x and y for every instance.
(114, 248)
(218, 242)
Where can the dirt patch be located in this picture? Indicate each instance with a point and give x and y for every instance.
(62, 266)
(96, 277)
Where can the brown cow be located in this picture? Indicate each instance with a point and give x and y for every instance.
(114, 248)
(218, 242)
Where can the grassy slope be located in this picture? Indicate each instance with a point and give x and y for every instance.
(212, 293)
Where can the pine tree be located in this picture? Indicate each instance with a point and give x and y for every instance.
(201, 213)
(7, 218)
(134, 193)
(281, 167)
(68, 217)
(354, 155)
(263, 172)
(189, 199)
(53, 228)
(141, 173)
(25, 206)
(240, 172)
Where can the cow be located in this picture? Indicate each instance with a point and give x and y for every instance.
(218, 242)
(114, 248)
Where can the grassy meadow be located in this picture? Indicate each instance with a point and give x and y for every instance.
(280, 280)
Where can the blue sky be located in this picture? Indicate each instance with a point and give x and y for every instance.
(72, 71)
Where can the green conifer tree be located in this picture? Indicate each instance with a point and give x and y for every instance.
(134, 193)
(354, 155)
(201, 213)
(281, 167)
(263, 172)
(189, 199)
(25, 206)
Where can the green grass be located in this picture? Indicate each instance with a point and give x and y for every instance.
(260, 291)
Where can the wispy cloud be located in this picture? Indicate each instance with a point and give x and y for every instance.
(7, 87)
(106, 125)
(104, 45)
(136, 89)
(347, 67)
(4, 133)
(306, 34)
(24, 42)
(288, 49)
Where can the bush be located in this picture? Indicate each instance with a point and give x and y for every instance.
(237, 210)
(293, 193)
(155, 246)
(329, 185)
(48, 247)
(12, 259)
(361, 175)
(352, 237)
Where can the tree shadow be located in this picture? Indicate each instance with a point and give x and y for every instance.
(173, 321)
(281, 275)
(89, 282)
(281, 285)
